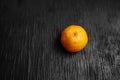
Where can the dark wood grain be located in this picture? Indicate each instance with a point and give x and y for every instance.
(30, 46)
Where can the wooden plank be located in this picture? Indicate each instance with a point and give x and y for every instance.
(30, 46)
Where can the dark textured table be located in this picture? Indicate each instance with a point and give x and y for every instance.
(30, 46)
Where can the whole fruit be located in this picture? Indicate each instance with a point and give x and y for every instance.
(74, 38)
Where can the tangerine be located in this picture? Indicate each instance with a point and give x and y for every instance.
(74, 38)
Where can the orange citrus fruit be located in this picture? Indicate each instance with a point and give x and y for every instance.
(74, 38)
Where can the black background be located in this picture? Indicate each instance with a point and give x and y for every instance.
(30, 46)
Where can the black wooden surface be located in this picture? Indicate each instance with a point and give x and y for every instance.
(29, 40)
